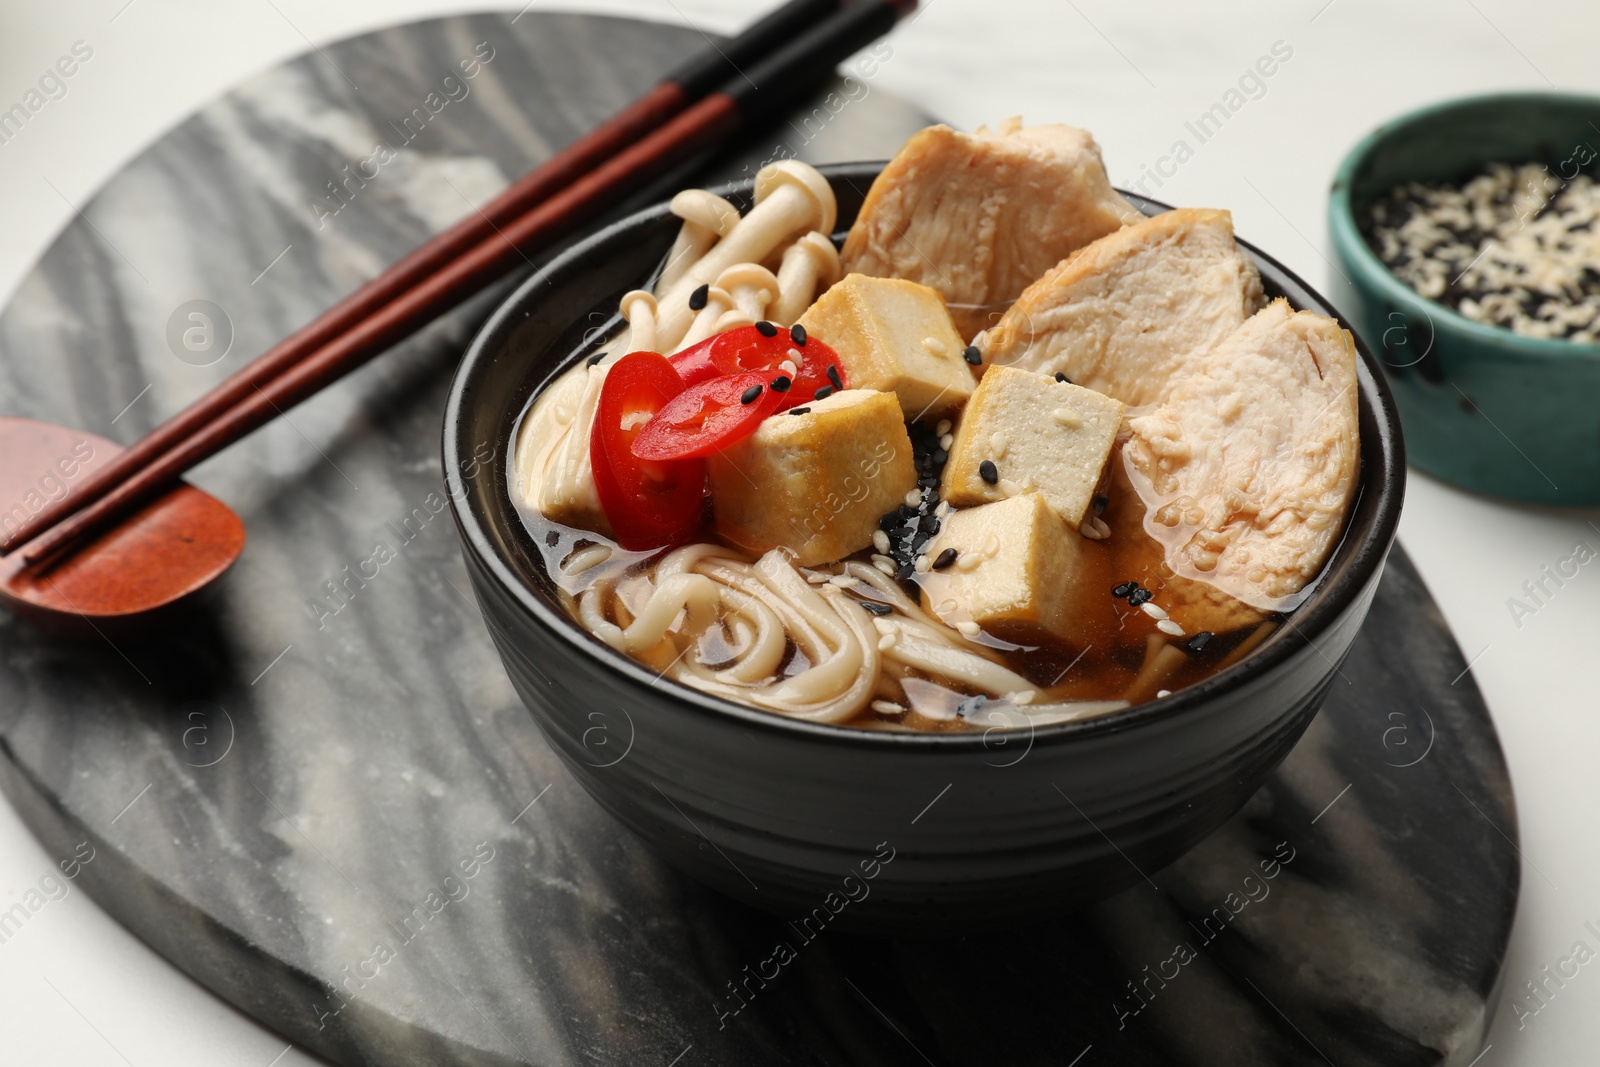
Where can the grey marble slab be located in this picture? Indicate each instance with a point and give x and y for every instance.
(320, 797)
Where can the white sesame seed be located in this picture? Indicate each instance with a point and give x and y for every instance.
(844, 581)
(887, 707)
(1167, 626)
(1163, 693)
(1027, 696)
(943, 427)
(817, 577)
(922, 565)
(880, 541)
(1067, 417)
(1088, 529)
(968, 627)
(788, 367)
(795, 356)
(935, 346)
(1154, 610)
(997, 445)
(1009, 487)
(947, 441)
(886, 642)
(968, 560)
(914, 498)
(884, 565)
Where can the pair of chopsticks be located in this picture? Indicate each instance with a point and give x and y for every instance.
(720, 91)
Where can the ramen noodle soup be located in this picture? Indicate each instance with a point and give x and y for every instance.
(1014, 454)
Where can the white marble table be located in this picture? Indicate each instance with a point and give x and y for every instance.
(81, 990)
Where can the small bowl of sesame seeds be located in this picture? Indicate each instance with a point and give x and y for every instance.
(1470, 234)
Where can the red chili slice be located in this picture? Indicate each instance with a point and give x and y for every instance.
(709, 417)
(748, 349)
(649, 504)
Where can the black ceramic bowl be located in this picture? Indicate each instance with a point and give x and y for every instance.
(884, 832)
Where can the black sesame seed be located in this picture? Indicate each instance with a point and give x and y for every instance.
(552, 538)
(1140, 596)
(1100, 503)
(1125, 589)
(939, 457)
(945, 558)
(889, 521)
(781, 384)
(750, 394)
(833, 376)
(972, 355)
(905, 572)
(1063, 378)
(799, 411)
(766, 328)
(797, 334)
(989, 472)
(1198, 642)
(905, 511)
(698, 298)
(596, 358)
(874, 608)
(825, 392)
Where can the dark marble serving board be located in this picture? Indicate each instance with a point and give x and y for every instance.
(283, 792)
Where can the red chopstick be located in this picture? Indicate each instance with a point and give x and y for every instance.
(701, 74)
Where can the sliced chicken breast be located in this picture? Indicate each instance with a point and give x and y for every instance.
(978, 216)
(1131, 314)
(1249, 466)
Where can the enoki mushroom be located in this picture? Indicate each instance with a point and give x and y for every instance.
(734, 257)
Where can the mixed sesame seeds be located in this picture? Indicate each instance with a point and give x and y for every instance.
(908, 528)
(750, 395)
(766, 329)
(698, 298)
(1510, 246)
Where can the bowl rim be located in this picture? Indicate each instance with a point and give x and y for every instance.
(1384, 477)
(1352, 247)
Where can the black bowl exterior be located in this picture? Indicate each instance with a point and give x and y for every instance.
(862, 830)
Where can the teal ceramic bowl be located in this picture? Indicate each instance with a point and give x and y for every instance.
(1482, 407)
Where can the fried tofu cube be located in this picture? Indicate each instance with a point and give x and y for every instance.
(1019, 572)
(895, 336)
(817, 482)
(1029, 432)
